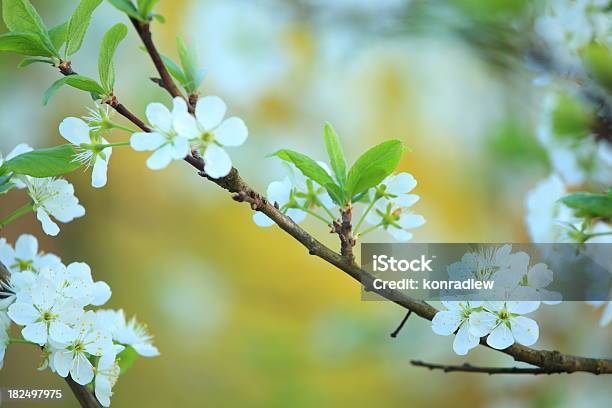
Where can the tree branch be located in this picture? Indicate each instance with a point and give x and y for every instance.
(468, 368)
(553, 361)
(83, 395)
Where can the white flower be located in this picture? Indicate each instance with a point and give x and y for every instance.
(129, 333)
(505, 324)
(53, 197)
(107, 374)
(458, 316)
(73, 358)
(166, 143)
(86, 143)
(536, 280)
(395, 188)
(19, 284)
(45, 314)
(210, 132)
(294, 192)
(75, 282)
(544, 211)
(25, 256)
(395, 219)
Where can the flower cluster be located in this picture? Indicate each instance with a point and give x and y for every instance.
(53, 303)
(175, 133)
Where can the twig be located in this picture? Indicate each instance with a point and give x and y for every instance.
(401, 325)
(468, 368)
(83, 395)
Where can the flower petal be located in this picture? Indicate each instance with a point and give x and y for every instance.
(26, 247)
(210, 111)
(48, 226)
(217, 162)
(501, 337)
(401, 183)
(36, 333)
(159, 116)
(62, 362)
(410, 220)
(525, 330)
(75, 131)
(232, 132)
(481, 323)
(143, 141)
(101, 293)
(61, 332)
(23, 313)
(464, 341)
(446, 322)
(160, 158)
(100, 169)
(262, 220)
(20, 149)
(82, 372)
(186, 126)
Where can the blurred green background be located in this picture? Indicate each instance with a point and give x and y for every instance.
(242, 315)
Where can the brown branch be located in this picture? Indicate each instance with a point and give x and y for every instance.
(401, 325)
(552, 361)
(344, 229)
(83, 395)
(468, 368)
(144, 32)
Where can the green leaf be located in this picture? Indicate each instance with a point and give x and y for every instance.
(58, 35)
(5, 182)
(76, 81)
(127, 7)
(52, 89)
(146, 7)
(335, 153)
(111, 40)
(127, 358)
(598, 60)
(189, 64)
(24, 44)
(30, 60)
(50, 162)
(78, 24)
(21, 16)
(571, 119)
(373, 166)
(174, 69)
(312, 170)
(589, 204)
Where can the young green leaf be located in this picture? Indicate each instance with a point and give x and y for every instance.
(190, 69)
(52, 89)
(21, 17)
(146, 7)
(174, 69)
(111, 40)
(32, 60)
(58, 35)
(78, 24)
(127, 358)
(51, 162)
(85, 84)
(373, 166)
(312, 170)
(335, 153)
(127, 7)
(24, 44)
(589, 204)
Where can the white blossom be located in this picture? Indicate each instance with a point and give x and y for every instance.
(5, 324)
(210, 132)
(73, 357)
(75, 282)
(458, 318)
(87, 143)
(395, 188)
(53, 198)
(163, 140)
(25, 256)
(45, 314)
(128, 333)
(395, 219)
(505, 325)
(107, 374)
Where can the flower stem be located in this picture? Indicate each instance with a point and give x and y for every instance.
(16, 214)
(598, 234)
(327, 210)
(114, 125)
(367, 230)
(363, 216)
(314, 214)
(116, 144)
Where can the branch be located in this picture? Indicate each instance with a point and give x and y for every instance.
(548, 360)
(468, 368)
(83, 395)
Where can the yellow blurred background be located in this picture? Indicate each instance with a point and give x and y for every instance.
(241, 314)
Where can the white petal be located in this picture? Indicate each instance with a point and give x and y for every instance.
(26, 247)
(178, 106)
(62, 362)
(186, 126)
(539, 276)
(61, 332)
(100, 168)
(217, 162)
(146, 349)
(522, 307)
(180, 148)
(20, 149)
(296, 215)
(101, 293)
(399, 234)
(232, 132)
(481, 323)
(23, 313)
(262, 219)
(75, 131)
(464, 341)
(401, 184)
(409, 220)
(160, 158)
(159, 116)
(82, 372)
(36, 333)
(48, 226)
(143, 141)
(525, 330)
(446, 322)
(210, 111)
(501, 337)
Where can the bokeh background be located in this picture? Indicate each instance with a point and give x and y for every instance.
(242, 315)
